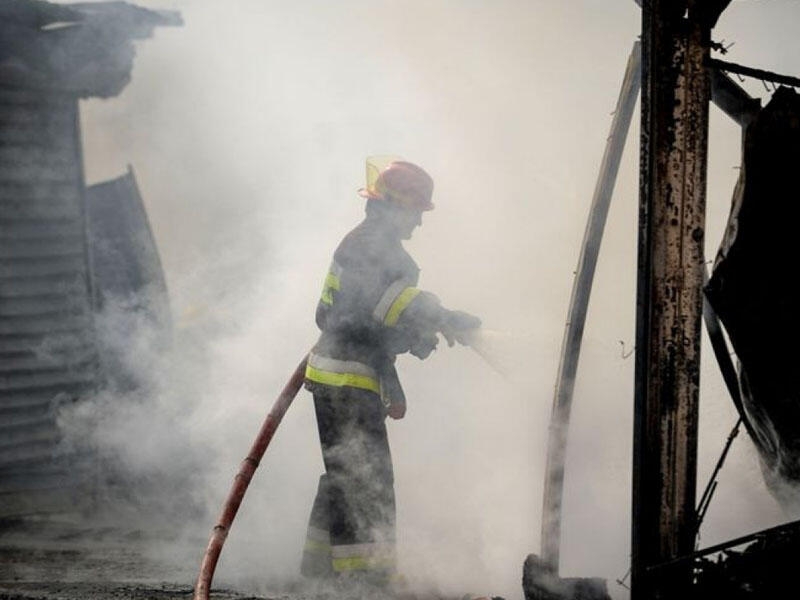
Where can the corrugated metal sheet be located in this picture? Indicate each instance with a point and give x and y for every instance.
(48, 352)
(46, 330)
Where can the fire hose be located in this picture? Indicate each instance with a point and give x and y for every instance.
(242, 480)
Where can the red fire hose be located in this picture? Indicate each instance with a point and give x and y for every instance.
(242, 480)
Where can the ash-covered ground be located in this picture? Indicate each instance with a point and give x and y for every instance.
(70, 557)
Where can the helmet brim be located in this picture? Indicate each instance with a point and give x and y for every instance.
(369, 194)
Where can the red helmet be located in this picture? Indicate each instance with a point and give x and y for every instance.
(401, 182)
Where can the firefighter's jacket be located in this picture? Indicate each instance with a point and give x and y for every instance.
(370, 310)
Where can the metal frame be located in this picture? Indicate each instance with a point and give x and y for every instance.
(739, 106)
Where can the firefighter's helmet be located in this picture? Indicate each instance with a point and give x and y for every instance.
(395, 180)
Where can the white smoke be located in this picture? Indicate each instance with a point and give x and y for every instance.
(248, 129)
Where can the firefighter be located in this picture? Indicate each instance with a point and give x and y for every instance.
(370, 311)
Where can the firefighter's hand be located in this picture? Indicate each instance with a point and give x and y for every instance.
(423, 345)
(458, 326)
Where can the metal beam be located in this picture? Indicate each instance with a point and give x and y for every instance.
(676, 91)
(738, 105)
(732, 99)
(725, 93)
(578, 306)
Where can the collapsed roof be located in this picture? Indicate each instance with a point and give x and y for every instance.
(84, 48)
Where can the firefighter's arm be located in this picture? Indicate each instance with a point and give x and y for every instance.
(427, 316)
(420, 315)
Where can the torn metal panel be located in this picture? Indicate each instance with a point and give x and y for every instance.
(748, 288)
(125, 261)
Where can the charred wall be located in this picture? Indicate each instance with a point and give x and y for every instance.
(47, 354)
(51, 55)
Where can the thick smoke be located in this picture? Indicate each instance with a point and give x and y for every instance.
(248, 129)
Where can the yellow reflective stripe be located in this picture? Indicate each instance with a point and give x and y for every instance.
(361, 563)
(332, 282)
(317, 547)
(318, 541)
(350, 564)
(342, 379)
(399, 305)
(389, 296)
(334, 365)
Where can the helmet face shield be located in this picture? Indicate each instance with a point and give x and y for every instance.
(377, 165)
(399, 182)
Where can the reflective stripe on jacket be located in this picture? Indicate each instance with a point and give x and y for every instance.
(332, 284)
(341, 373)
(397, 297)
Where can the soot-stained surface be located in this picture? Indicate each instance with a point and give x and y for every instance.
(69, 559)
(72, 558)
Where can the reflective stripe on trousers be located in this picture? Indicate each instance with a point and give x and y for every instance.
(318, 541)
(374, 556)
(355, 500)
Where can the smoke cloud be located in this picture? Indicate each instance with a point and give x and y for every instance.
(248, 129)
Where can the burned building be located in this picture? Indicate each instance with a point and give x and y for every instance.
(63, 246)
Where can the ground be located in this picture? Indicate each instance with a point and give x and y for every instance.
(68, 558)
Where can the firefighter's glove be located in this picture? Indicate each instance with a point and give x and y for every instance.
(392, 395)
(423, 345)
(458, 326)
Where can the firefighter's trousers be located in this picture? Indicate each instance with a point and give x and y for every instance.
(351, 530)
